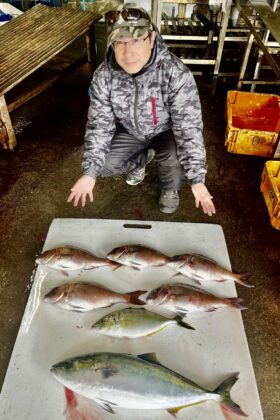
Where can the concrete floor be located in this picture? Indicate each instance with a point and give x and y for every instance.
(35, 181)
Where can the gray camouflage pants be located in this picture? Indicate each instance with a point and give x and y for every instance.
(128, 153)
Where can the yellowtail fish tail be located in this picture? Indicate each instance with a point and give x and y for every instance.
(224, 390)
(179, 320)
(237, 303)
(133, 297)
(243, 279)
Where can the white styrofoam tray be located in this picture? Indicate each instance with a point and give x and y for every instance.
(10, 10)
(207, 356)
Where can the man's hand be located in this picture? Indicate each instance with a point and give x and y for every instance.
(81, 190)
(202, 196)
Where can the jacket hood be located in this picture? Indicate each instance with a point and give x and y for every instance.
(159, 53)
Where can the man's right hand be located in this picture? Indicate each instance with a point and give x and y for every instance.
(81, 189)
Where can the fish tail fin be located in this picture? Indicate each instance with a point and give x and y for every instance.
(180, 321)
(133, 297)
(243, 279)
(224, 391)
(236, 302)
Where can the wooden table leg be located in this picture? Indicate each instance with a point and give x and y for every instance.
(7, 134)
(91, 49)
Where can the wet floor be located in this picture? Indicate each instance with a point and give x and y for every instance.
(35, 180)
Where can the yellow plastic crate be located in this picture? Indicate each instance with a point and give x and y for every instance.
(253, 124)
(270, 187)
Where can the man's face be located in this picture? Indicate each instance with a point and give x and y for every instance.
(133, 53)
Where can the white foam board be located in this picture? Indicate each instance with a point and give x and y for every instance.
(207, 356)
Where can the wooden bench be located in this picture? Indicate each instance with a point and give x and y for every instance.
(26, 44)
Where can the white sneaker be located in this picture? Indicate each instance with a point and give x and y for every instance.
(169, 201)
(137, 175)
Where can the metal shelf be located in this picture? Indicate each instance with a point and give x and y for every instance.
(213, 35)
(270, 21)
(258, 21)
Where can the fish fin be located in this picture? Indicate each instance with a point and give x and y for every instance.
(243, 279)
(193, 287)
(174, 411)
(175, 259)
(157, 331)
(80, 408)
(168, 260)
(106, 405)
(204, 258)
(181, 323)
(116, 266)
(64, 273)
(175, 275)
(236, 302)
(136, 268)
(224, 391)
(133, 297)
(181, 313)
(197, 281)
(70, 397)
(149, 357)
(211, 310)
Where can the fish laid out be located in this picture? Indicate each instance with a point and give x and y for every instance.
(138, 256)
(182, 299)
(135, 323)
(200, 269)
(68, 258)
(137, 382)
(197, 267)
(84, 297)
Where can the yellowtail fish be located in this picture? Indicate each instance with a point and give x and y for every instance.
(200, 269)
(135, 323)
(138, 256)
(137, 382)
(68, 258)
(84, 297)
(181, 299)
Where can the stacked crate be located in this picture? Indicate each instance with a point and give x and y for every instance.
(253, 124)
(270, 187)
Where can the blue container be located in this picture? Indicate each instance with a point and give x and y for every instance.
(5, 17)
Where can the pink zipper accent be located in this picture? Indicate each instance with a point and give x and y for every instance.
(154, 109)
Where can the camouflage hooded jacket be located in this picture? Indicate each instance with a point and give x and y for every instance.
(162, 96)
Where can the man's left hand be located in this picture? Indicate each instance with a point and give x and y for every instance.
(203, 198)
